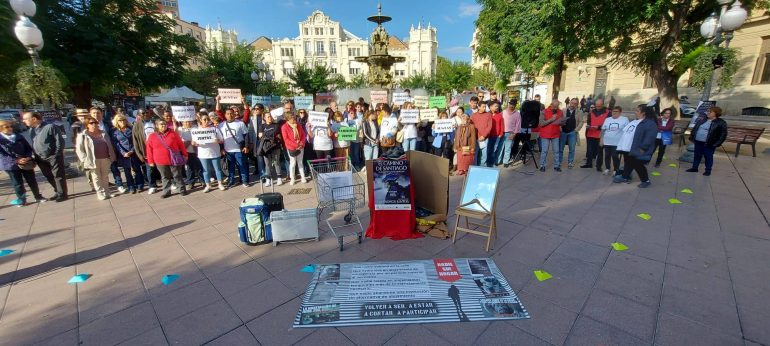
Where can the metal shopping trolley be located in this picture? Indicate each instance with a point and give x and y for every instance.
(339, 188)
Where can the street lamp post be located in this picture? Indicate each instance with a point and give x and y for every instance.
(27, 32)
(261, 76)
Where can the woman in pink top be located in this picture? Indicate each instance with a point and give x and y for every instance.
(511, 126)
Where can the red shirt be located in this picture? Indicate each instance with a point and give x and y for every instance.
(552, 130)
(483, 123)
(498, 128)
(156, 153)
(596, 120)
(289, 141)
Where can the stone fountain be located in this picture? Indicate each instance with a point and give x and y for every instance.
(379, 60)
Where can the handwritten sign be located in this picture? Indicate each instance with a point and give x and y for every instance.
(378, 96)
(410, 116)
(50, 115)
(183, 113)
(347, 133)
(303, 102)
(453, 109)
(437, 102)
(428, 114)
(263, 100)
(318, 119)
(204, 136)
(230, 96)
(444, 125)
(421, 101)
(400, 98)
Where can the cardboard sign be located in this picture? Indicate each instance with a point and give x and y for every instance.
(204, 136)
(347, 133)
(437, 102)
(444, 126)
(318, 119)
(400, 98)
(378, 96)
(277, 114)
(421, 101)
(263, 100)
(183, 113)
(232, 96)
(303, 102)
(410, 116)
(428, 114)
(50, 115)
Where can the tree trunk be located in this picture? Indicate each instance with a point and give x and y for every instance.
(82, 94)
(557, 76)
(666, 83)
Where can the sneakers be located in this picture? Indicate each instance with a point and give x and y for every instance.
(278, 182)
(304, 180)
(644, 184)
(222, 186)
(268, 182)
(292, 182)
(542, 168)
(166, 195)
(151, 191)
(692, 170)
(174, 187)
(606, 171)
(19, 202)
(207, 188)
(619, 179)
(657, 164)
(40, 199)
(122, 189)
(570, 165)
(558, 169)
(245, 185)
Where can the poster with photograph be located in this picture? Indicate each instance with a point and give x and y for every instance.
(229, 96)
(392, 185)
(183, 113)
(421, 291)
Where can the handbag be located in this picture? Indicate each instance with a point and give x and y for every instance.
(387, 142)
(177, 159)
(400, 136)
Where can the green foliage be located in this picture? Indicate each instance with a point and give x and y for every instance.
(419, 81)
(314, 79)
(39, 84)
(452, 75)
(225, 68)
(483, 78)
(703, 66)
(357, 82)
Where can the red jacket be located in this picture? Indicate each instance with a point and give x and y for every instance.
(289, 141)
(498, 128)
(596, 120)
(156, 153)
(552, 130)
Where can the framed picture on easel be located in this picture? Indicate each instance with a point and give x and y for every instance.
(477, 201)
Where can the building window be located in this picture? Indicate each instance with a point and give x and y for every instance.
(306, 32)
(334, 69)
(308, 49)
(762, 70)
(354, 51)
(354, 71)
(400, 73)
(288, 71)
(333, 48)
(331, 31)
(319, 47)
(319, 31)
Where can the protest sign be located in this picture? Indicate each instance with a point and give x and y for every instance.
(204, 135)
(410, 116)
(347, 133)
(444, 126)
(51, 115)
(318, 119)
(232, 96)
(437, 102)
(275, 101)
(421, 101)
(428, 114)
(263, 100)
(452, 110)
(183, 113)
(378, 96)
(277, 114)
(303, 102)
(400, 98)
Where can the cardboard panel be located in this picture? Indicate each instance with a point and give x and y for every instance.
(430, 177)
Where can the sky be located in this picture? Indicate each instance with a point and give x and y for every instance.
(454, 19)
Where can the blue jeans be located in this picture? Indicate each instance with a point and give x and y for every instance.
(703, 151)
(504, 154)
(355, 154)
(568, 138)
(193, 169)
(545, 144)
(150, 178)
(481, 154)
(237, 159)
(136, 180)
(370, 152)
(214, 164)
(116, 173)
(409, 144)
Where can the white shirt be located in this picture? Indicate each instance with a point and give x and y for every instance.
(210, 150)
(612, 129)
(232, 135)
(627, 138)
(321, 139)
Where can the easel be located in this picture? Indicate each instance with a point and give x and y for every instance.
(526, 150)
(463, 211)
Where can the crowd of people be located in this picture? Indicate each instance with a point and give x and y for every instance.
(150, 147)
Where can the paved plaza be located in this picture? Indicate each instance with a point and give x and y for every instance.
(696, 273)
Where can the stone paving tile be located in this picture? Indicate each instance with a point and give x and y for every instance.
(327, 336)
(533, 246)
(501, 333)
(717, 314)
(120, 326)
(239, 278)
(629, 286)
(572, 269)
(754, 324)
(548, 321)
(274, 327)
(182, 301)
(154, 337)
(371, 336)
(584, 251)
(202, 325)
(676, 330)
(240, 336)
(415, 334)
(639, 266)
(247, 304)
(629, 316)
(590, 332)
(464, 333)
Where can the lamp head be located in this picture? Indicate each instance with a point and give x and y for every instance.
(254, 75)
(26, 8)
(28, 34)
(733, 18)
(708, 29)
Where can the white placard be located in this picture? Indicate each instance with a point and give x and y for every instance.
(410, 116)
(183, 113)
(452, 110)
(277, 114)
(318, 119)
(421, 101)
(330, 184)
(444, 126)
(204, 136)
(428, 114)
(303, 102)
(232, 96)
(400, 98)
(378, 96)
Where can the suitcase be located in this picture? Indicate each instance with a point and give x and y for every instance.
(254, 228)
(273, 200)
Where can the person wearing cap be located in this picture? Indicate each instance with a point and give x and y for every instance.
(143, 127)
(79, 124)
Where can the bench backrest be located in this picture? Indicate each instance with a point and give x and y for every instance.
(755, 111)
(744, 134)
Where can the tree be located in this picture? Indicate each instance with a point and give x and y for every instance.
(314, 79)
(39, 84)
(11, 56)
(226, 67)
(106, 44)
(537, 36)
(357, 82)
(419, 81)
(483, 78)
(452, 75)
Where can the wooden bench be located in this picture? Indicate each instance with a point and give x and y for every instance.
(744, 135)
(680, 127)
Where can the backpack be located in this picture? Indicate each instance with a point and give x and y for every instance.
(254, 228)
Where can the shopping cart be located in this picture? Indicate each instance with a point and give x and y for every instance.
(339, 188)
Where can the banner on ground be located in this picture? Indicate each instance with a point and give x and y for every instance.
(421, 101)
(183, 113)
(410, 116)
(437, 102)
(319, 119)
(423, 291)
(391, 185)
(378, 96)
(428, 114)
(400, 98)
(232, 96)
(204, 136)
(303, 102)
(444, 126)
(347, 133)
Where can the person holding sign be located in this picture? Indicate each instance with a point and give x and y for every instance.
(322, 139)
(270, 144)
(465, 142)
(235, 110)
(388, 129)
(123, 141)
(294, 138)
(341, 147)
(209, 153)
(443, 142)
(234, 133)
(193, 168)
(409, 129)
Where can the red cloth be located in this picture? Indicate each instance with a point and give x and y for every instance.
(289, 141)
(464, 161)
(498, 128)
(157, 154)
(595, 122)
(552, 130)
(393, 224)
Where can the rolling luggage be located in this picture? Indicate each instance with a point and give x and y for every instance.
(254, 228)
(273, 200)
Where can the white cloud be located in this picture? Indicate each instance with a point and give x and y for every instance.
(449, 19)
(469, 10)
(486, 186)
(288, 3)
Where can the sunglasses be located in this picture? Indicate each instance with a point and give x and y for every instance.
(93, 123)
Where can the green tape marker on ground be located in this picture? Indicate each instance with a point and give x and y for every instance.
(644, 216)
(655, 174)
(687, 191)
(619, 247)
(673, 165)
(542, 275)
(674, 201)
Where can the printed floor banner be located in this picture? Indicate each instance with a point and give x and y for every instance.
(424, 291)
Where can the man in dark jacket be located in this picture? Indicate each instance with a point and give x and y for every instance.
(707, 135)
(643, 146)
(48, 144)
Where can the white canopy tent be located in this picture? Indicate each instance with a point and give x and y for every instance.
(179, 94)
